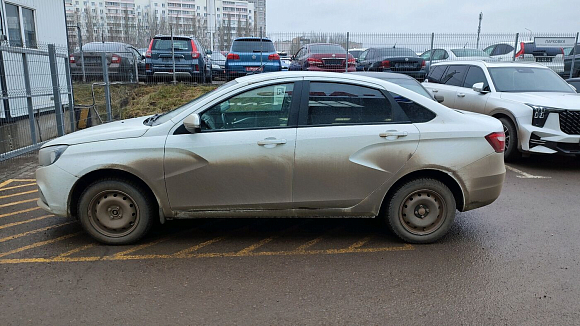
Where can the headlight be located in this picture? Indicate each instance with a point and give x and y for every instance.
(541, 113)
(49, 155)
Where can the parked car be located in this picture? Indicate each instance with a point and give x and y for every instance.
(238, 152)
(250, 55)
(121, 60)
(568, 56)
(405, 81)
(190, 59)
(540, 112)
(218, 65)
(323, 57)
(527, 51)
(401, 60)
(574, 82)
(356, 52)
(285, 60)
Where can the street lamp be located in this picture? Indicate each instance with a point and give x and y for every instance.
(529, 30)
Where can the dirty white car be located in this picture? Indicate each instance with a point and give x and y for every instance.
(274, 145)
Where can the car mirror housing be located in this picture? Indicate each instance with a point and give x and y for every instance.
(209, 52)
(478, 87)
(192, 123)
(439, 98)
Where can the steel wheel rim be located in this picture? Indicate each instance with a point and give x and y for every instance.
(113, 213)
(422, 212)
(506, 132)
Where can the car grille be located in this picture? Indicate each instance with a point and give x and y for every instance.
(333, 62)
(570, 122)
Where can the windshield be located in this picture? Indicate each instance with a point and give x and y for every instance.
(396, 52)
(217, 56)
(411, 85)
(253, 45)
(527, 79)
(469, 53)
(169, 115)
(327, 48)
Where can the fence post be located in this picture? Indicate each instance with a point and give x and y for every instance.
(136, 64)
(71, 101)
(431, 52)
(29, 98)
(173, 56)
(80, 38)
(573, 57)
(56, 90)
(516, 46)
(107, 86)
(346, 61)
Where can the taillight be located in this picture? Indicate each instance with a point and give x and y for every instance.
(71, 59)
(115, 59)
(521, 51)
(233, 56)
(351, 60)
(386, 64)
(497, 141)
(314, 62)
(562, 49)
(148, 53)
(194, 53)
(423, 63)
(274, 56)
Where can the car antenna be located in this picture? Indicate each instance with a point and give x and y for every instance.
(465, 45)
(394, 45)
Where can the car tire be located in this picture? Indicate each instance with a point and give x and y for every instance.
(421, 211)
(511, 153)
(116, 212)
(209, 77)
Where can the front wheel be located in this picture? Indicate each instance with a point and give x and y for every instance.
(116, 212)
(421, 211)
(511, 152)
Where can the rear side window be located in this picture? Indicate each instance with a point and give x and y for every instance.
(415, 112)
(165, 44)
(253, 45)
(454, 75)
(436, 73)
(475, 75)
(332, 103)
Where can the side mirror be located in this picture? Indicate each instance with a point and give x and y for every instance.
(208, 52)
(573, 87)
(293, 58)
(192, 123)
(439, 98)
(478, 87)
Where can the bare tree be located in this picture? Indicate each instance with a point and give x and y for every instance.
(239, 27)
(228, 33)
(89, 25)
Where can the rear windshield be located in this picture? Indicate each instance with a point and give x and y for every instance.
(469, 53)
(164, 44)
(395, 52)
(103, 47)
(253, 46)
(327, 48)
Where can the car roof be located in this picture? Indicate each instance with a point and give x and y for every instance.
(255, 78)
(311, 44)
(379, 74)
(577, 79)
(252, 39)
(489, 64)
(174, 36)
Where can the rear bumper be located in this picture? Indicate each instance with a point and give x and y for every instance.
(315, 68)
(483, 181)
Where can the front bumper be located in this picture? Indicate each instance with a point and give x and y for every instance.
(54, 186)
(548, 139)
(483, 181)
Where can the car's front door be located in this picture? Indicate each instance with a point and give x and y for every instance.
(350, 140)
(466, 98)
(241, 159)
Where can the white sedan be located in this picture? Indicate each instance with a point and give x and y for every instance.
(273, 145)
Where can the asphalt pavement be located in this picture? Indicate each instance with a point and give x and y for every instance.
(513, 262)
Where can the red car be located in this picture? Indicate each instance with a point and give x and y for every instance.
(322, 57)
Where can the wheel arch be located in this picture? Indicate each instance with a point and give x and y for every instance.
(503, 113)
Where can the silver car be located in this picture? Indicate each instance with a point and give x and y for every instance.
(291, 144)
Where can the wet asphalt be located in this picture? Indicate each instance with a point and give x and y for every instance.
(516, 262)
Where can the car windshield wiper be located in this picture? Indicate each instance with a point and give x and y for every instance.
(149, 121)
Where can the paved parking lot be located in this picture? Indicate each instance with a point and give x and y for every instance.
(513, 262)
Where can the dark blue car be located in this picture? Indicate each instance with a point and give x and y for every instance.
(250, 55)
(191, 61)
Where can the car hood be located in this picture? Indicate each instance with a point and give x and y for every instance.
(551, 99)
(130, 128)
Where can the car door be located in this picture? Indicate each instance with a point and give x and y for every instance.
(351, 139)
(368, 59)
(451, 82)
(469, 100)
(242, 158)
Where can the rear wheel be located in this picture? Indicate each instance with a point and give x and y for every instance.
(511, 153)
(421, 211)
(116, 212)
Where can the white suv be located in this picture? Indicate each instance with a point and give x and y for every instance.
(539, 110)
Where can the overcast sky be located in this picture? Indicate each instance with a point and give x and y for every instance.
(418, 16)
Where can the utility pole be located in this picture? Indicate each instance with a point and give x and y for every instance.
(479, 29)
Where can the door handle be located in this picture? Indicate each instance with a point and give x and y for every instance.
(271, 141)
(393, 133)
(460, 95)
(434, 90)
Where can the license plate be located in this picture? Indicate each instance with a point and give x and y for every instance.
(253, 69)
(405, 65)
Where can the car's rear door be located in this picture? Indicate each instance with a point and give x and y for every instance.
(243, 156)
(451, 84)
(469, 100)
(350, 140)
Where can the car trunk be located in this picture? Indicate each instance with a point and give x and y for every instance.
(161, 51)
(404, 63)
(253, 53)
(331, 60)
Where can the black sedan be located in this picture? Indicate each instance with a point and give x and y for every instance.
(400, 60)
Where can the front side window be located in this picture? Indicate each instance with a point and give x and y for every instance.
(489, 49)
(332, 103)
(454, 76)
(440, 55)
(475, 75)
(13, 23)
(363, 55)
(264, 107)
(426, 55)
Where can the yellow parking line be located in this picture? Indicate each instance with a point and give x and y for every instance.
(18, 202)
(19, 186)
(189, 250)
(5, 226)
(360, 243)
(317, 240)
(18, 194)
(4, 183)
(24, 180)
(74, 251)
(255, 246)
(20, 235)
(20, 212)
(39, 244)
